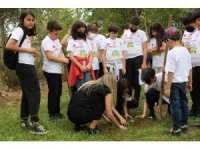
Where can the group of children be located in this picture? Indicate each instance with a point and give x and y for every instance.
(90, 56)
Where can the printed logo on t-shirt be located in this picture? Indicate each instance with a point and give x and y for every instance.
(83, 53)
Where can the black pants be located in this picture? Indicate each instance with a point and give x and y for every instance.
(195, 93)
(120, 73)
(152, 97)
(54, 82)
(101, 73)
(30, 91)
(132, 74)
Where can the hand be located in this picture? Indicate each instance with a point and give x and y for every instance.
(122, 121)
(127, 116)
(82, 68)
(123, 127)
(66, 61)
(140, 116)
(34, 52)
(189, 87)
(144, 66)
(123, 70)
(88, 67)
(167, 92)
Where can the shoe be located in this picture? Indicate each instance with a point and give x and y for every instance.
(91, 131)
(53, 118)
(184, 128)
(78, 128)
(60, 116)
(172, 131)
(38, 129)
(25, 124)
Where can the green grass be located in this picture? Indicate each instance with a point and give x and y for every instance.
(62, 130)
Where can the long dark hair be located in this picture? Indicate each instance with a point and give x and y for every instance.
(75, 27)
(30, 32)
(160, 33)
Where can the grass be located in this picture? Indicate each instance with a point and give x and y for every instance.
(62, 130)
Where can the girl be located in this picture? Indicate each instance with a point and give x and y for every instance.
(91, 100)
(26, 72)
(80, 53)
(156, 46)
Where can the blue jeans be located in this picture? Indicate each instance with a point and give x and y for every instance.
(87, 77)
(179, 105)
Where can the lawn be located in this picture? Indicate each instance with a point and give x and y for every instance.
(62, 130)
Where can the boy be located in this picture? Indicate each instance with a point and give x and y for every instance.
(52, 68)
(152, 91)
(195, 56)
(178, 77)
(135, 41)
(115, 53)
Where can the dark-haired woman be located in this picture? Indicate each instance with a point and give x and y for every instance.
(80, 53)
(157, 46)
(26, 72)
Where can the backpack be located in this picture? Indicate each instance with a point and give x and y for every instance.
(10, 57)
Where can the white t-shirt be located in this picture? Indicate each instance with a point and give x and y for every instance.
(55, 47)
(187, 37)
(156, 85)
(114, 49)
(178, 62)
(24, 57)
(158, 59)
(80, 48)
(133, 43)
(100, 39)
(195, 48)
(95, 50)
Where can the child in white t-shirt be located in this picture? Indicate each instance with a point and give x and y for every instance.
(178, 78)
(26, 72)
(80, 53)
(114, 48)
(96, 48)
(54, 58)
(157, 46)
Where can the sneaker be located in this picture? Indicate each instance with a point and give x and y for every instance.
(60, 116)
(78, 128)
(172, 131)
(91, 131)
(184, 128)
(53, 118)
(38, 129)
(26, 124)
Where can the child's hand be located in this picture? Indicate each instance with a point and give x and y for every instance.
(88, 67)
(127, 116)
(123, 121)
(83, 69)
(123, 70)
(140, 116)
(189, 87)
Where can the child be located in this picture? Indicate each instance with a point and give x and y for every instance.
(124, 98)
(80, 53)
(157, 47)
(178, 78)
(114, 53)
(95, 45)
(189, 24)
(89, 103)
(26, 72)
(52, 68)
(100, 39)
(135, 41)
(152, 91)
(195, 56)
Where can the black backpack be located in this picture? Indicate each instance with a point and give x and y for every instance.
(10, 57)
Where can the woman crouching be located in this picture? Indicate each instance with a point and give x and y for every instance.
(94, 98)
